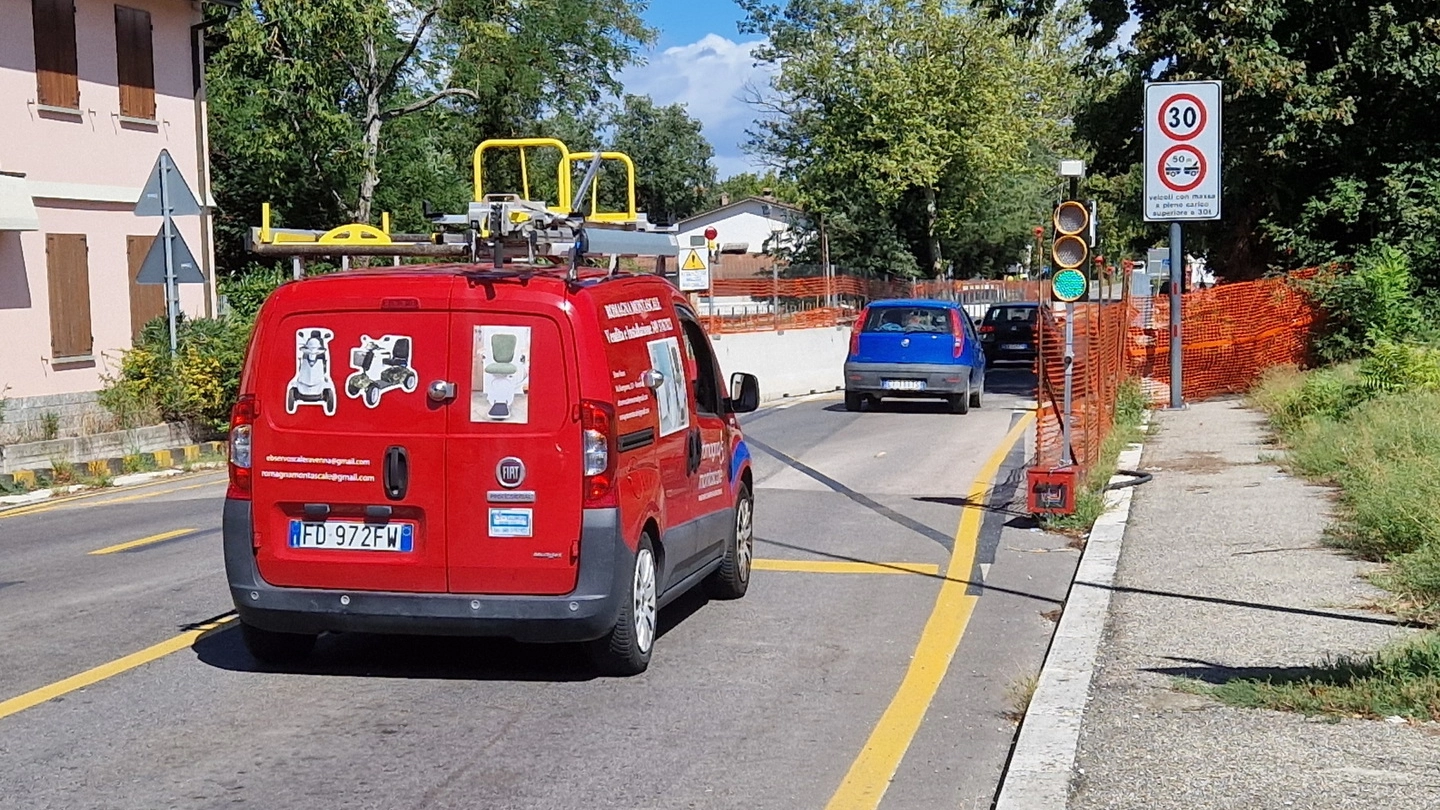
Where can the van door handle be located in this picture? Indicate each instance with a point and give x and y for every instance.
(397, 473)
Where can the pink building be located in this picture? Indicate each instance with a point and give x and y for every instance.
(90, 93)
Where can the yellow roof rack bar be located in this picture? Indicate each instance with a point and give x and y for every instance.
(521, 144)
(630, 214)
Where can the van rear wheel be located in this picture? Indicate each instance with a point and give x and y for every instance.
(270, 647)
(853, 402)
(732, 579)
(626, 649)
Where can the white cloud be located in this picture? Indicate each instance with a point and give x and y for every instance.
(709, 77)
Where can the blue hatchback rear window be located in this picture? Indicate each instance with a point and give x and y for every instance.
(908, 319)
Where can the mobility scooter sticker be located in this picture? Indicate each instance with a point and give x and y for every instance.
(380, 364)
(312, 384)
(500, 375)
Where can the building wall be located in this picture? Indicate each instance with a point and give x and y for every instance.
(743, 223)
(85, 174)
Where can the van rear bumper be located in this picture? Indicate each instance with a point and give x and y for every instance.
(589, 612)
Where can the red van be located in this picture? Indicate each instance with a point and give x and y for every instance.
(453, 450)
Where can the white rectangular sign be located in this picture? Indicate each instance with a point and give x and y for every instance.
(1182, 151)
(694, 265)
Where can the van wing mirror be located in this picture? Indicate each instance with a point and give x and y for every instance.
(744, 393)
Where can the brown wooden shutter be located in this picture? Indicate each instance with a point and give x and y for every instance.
(68, 261)
(56, 75)
(135, 63)
(147, 301)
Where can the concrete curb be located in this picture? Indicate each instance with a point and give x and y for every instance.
(166, 460)
(1041, 767)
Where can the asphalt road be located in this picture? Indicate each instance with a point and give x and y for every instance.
(794, 697)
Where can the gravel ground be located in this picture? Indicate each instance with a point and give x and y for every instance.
(1223, 568)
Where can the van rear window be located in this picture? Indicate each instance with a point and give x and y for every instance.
(908, 319)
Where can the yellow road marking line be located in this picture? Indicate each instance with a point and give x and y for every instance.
(84, 501)
(845, 567)
(93, 676)
(870, 774)
(144, 541)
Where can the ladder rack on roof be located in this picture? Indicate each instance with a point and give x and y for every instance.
(497, 227)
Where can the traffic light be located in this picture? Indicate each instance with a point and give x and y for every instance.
(1075, 236)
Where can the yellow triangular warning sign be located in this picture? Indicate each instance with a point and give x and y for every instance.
(693, 262)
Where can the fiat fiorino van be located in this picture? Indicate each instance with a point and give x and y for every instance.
(447, 451)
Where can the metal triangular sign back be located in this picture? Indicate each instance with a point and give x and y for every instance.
(182, 200)
(152, 270)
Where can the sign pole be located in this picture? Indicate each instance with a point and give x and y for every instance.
(172, 290)
(1177, 276)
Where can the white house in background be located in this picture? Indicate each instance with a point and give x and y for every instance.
(751, 225)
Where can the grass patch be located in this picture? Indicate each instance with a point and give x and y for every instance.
(138, 463)
(1018, 696)
(1130, 406)
(1401, 680)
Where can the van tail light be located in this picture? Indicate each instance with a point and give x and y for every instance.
(958, 330)
(855, 332)
(597, 423)
(242, 426)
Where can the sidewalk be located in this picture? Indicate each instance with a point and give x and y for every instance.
(1222, 567)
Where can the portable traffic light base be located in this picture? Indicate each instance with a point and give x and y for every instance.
(1052, 490)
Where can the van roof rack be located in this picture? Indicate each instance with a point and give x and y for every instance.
(497, 227)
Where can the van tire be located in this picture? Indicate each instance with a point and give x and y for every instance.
(270, 647)
(732, 579)
(976, 394)
(621, 651)
(853, 402)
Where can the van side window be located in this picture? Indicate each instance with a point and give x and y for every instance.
(707, 373)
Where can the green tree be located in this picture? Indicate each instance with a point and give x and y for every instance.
(1326, 147)
(673, 160)
(924, 124)
(318, 106)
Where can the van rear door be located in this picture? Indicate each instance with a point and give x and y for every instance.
(349, 486)
(515, 458)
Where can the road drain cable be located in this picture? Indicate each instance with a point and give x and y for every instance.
(1136, 479)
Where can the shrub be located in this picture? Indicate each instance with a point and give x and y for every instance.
(1292, 399)
(1393, 368)
(197, 386)
(1374, 302)
(247, 290)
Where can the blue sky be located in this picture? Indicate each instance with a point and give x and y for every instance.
(702, 61)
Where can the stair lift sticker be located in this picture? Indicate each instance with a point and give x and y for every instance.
(312, 384)
(500, 375)
(381, 364)
(671, 396)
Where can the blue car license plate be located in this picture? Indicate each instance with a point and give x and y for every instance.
(903, 385)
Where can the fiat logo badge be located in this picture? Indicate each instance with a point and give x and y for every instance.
(510, 472)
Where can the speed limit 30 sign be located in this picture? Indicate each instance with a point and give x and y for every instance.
(1182, 151)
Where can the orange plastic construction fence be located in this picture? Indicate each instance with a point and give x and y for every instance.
(1230, 335)
(766, 304)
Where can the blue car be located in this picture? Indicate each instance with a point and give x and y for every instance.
(914, 348)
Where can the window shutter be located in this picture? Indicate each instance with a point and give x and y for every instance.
(147, 301)
(68, 263)
(135, 63)
(56, 81)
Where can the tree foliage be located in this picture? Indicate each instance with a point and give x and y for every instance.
(674, 170)
(923, 131)
(330, 109)
(1329, 142)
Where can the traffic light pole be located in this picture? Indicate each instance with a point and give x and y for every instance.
(1177, 275)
